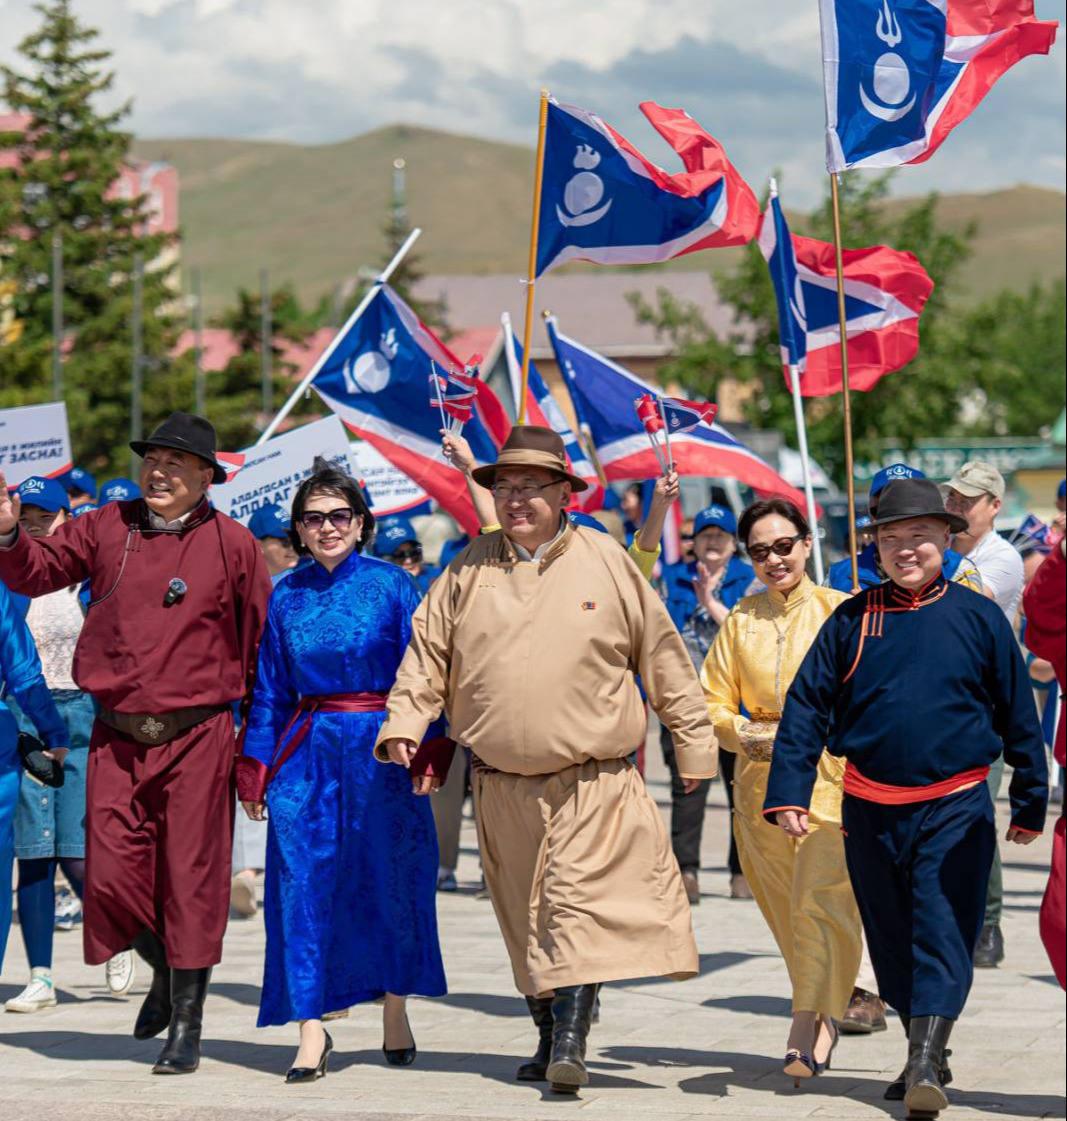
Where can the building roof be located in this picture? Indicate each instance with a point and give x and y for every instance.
(591, 306)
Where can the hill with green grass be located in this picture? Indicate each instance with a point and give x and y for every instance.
(314, 215)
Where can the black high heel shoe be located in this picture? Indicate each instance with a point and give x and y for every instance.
(401, 1056)
(825, 1065)
(311, 1074)
(798, 1066)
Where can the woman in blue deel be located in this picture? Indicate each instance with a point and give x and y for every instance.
(21, 678)
(349, 905)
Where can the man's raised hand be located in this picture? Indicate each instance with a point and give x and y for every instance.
(10, 507)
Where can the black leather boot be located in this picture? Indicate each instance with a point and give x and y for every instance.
(894, 1092)
(181, 1055)
(923, 1076)
(155, 1008)
(541, 1010)
(572, 1013)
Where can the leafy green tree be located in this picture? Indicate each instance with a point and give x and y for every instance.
(58, 181)
(234, 394)
(969, 375)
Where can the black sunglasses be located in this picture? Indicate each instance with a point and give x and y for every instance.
(341, 518)
(411, 553)
(781, 548)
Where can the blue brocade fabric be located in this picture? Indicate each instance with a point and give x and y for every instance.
(350, 904)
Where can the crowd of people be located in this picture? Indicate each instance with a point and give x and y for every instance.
(861, 733)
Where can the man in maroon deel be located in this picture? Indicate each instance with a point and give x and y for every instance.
(178, 598)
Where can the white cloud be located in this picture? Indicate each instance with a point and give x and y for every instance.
(323, 71)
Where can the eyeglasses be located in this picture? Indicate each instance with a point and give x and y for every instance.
(410, 554)
(781, 548)
(341, 518)
(505, 491)
(956, 501)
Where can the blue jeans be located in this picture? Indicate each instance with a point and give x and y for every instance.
(10, 773)
(51, 822)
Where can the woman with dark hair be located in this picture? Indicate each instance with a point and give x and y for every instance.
(801, 884)
(349, 903)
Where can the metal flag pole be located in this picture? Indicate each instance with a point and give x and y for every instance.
(266, 343)
(309, 377)
(57, 317)
(846, 399)
(198, 345)
(805, 467)
(137, 357)
(531, 270)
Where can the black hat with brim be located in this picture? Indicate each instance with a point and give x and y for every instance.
(185, 432)
(905, 499)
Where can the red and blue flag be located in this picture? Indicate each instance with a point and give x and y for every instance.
(376, 381)
(603, 201)
(899, 75)
(604, 394)
(885, 293)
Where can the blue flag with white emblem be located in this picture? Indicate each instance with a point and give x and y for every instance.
(603, 201)
(899, 75)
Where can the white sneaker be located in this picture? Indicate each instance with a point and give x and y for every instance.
(39, 993)
(120, 971)
(68, 910)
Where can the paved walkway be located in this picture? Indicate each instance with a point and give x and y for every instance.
(709, 1047)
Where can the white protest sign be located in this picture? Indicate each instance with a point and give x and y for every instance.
(272, 471)
(391, 491)
(34, 440)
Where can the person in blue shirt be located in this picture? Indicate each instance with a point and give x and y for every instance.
(349, 903)
(21, 677)
(699, 595)
(271, 526)
(397, 542)
(920, 686)
(79, 485)
(955, 566)
(118, 490)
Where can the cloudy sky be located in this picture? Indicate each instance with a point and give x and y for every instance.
(315, 71)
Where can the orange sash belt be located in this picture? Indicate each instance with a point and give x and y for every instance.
(326, 702)
(870, 791)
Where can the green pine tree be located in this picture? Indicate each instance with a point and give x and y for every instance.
(60, 184)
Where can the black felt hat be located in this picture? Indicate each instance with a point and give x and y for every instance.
(915, 498)
(185, 432)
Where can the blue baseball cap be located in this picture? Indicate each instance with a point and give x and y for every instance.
(392, 533)
(77, 478)
(47, 494)
(84, 508)
(863, 521)
(119, 490)
(720, 516)
(891, 474)
(270, 521)
(580, 518)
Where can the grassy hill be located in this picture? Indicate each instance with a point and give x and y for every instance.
(313, 215)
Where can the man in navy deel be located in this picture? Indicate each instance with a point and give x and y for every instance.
(920, 685)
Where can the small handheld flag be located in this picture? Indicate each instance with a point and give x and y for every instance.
(648, 412)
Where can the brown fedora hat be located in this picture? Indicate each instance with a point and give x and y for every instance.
(529, 445)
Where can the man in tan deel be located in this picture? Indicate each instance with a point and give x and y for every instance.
(530, 641)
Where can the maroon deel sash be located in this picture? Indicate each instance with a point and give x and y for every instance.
(308, 706)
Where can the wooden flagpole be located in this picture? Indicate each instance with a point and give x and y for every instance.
(846, 398)
(531, 271)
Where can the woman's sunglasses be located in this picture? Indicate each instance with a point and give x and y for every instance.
(341, 518)
(781, 548)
